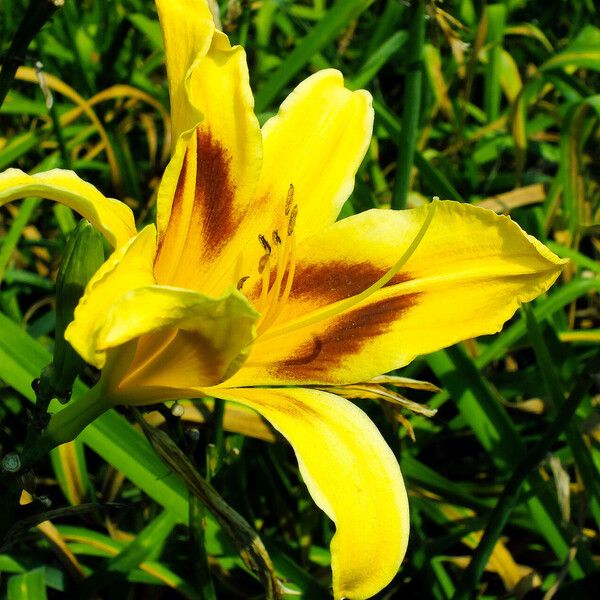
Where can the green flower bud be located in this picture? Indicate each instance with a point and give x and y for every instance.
(83, 256)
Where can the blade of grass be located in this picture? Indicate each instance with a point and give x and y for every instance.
(377, 60)
(556, 390)
(85, 542)
(434, 177)
(336, 18)
(27, 586)
(204, 580)
(10, 241)
(510, 495)
(553, 303)
(412, 104)
(145, 545)
(495, 35)
(70, 468)
(494, 429)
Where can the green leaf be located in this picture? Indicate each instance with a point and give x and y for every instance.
(149, 27)
(336, 18)
(27, 586)
(584, 51)
(146, 544)
(496, 17)
(495, 431)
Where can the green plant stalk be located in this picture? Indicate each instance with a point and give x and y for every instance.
(250, 546)
(67, 424)
(495, 36)
(218, 439)
(412, 105)
(37, 14)
(511, 493)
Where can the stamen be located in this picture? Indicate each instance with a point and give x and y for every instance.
(263, 240)
(242, 281)
(344, 305)
(262, 263)
(289, 200)
(264, 268)
(273, 298)
(276, 238)
(292, 220)
(276, 309)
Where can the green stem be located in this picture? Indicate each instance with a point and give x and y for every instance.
(68, 423)
(35, 17)
(216, 460)
(412, 105)
(510, 496)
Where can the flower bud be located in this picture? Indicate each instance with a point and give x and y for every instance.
(82, 257)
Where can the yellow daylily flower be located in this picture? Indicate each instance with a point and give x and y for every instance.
(248, 290)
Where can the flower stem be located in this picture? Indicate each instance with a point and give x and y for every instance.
(68, 423)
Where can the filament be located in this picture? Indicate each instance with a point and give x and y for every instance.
(344, 305)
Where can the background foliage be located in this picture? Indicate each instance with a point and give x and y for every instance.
(504, 113)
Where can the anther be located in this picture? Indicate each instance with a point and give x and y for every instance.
(289, 200)
(292, 221)
(276, 238)
(263, 240)
(242, 281)
(262, 263)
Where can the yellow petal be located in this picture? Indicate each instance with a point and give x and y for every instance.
(315, 143)
(207, 187)
(207, 193)
(111, 217)
(187, 29)
(128, 268)
(351, 474)
(468, 275)
(219, 86)
(185, 340)
(181, 338)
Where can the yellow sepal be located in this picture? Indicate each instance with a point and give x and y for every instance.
(351, 474)
(111, 217)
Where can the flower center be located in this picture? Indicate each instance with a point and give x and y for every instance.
(331, 311)
(276, 267)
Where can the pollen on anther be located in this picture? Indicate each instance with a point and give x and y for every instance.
(289, 200)
(292, 220)
(262, 263)
(242, 281)
(276, 238)
(263, 240)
